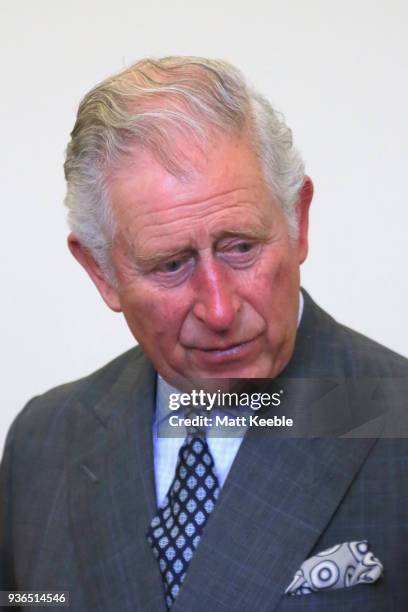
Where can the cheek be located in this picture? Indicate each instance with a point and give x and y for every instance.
(275, 290)
(152, 314)
(286, 280)
(276, 275)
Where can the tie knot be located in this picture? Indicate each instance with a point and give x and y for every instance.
(196, 429)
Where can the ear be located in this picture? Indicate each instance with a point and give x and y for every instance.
(84, 257)
(302, 211)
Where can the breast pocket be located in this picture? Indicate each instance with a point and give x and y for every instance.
(366, 598)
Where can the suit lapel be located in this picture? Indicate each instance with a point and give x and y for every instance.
(111, 490)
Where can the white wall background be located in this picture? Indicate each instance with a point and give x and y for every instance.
(338, 71)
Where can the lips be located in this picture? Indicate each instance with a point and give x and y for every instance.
(223, 348)
(230, 353)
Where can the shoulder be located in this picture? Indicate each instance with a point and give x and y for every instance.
(46, 414)
(368, 356)
(338, 348)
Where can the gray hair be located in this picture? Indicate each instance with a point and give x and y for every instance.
(147, 106)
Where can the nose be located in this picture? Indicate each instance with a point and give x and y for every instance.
(217, 302)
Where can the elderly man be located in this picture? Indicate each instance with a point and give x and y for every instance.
(188, 206)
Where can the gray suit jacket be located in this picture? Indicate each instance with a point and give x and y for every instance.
(77, 495)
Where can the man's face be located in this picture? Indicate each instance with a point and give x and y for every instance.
(207, 277)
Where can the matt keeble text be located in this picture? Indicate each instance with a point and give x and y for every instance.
(201, 421)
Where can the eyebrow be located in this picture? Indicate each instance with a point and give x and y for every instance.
(148, 261)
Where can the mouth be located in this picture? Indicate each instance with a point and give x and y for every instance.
(230, 353)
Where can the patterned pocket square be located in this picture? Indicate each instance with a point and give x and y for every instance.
(340, 566)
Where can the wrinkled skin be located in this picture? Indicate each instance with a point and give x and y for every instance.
(207, 275)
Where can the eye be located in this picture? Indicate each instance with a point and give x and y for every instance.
(244, 247)
(239, 252)
(171, 266)
(173, 272)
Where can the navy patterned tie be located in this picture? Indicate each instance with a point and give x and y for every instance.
(175, 531)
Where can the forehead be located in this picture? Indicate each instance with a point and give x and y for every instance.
(226, 181)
